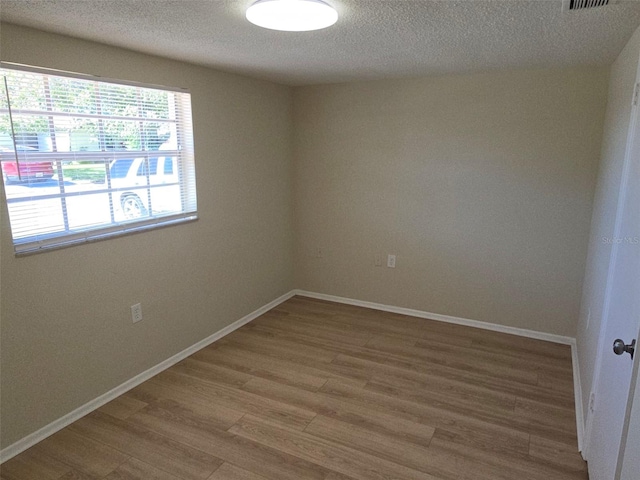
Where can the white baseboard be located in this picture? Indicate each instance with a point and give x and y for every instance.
(53, 427)
(549, 337)
(577, 387)
(577, 395)
(48, 430)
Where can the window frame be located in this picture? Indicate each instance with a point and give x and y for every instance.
(183, 156)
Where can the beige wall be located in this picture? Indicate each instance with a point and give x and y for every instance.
(618, 116)
(66, 327)
(481, 185)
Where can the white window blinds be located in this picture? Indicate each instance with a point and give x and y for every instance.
(84, 158)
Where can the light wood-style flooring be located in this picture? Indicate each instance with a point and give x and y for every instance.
(322, 391)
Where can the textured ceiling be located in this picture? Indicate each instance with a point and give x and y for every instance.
(373, 38)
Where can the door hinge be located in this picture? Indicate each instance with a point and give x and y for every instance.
(635, 95)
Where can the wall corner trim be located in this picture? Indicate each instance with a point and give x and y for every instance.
(48, 430)
(577, 392)
(549, 337)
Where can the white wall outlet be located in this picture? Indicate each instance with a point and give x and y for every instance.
(136, 312)
(377, 260)
(391, 261)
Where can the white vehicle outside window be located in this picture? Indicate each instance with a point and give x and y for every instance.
(129, 178)
(84, 158)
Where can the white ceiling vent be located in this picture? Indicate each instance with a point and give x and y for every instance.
(573, 5)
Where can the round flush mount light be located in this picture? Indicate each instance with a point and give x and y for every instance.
(292, 15)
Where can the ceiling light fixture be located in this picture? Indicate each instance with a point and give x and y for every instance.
(292, 15)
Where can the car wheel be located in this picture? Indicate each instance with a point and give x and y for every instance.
(132, 207)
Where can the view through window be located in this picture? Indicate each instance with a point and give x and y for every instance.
(83, 158)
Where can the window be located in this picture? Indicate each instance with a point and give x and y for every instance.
(83, 159)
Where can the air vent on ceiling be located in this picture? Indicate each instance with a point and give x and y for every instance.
(572, 5)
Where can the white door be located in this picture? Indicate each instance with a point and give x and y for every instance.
(622, 320)
(631, 458)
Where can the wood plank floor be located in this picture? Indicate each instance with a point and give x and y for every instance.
(317, 390)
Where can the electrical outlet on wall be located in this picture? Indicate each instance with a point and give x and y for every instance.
(391, 261)
(136, 312)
